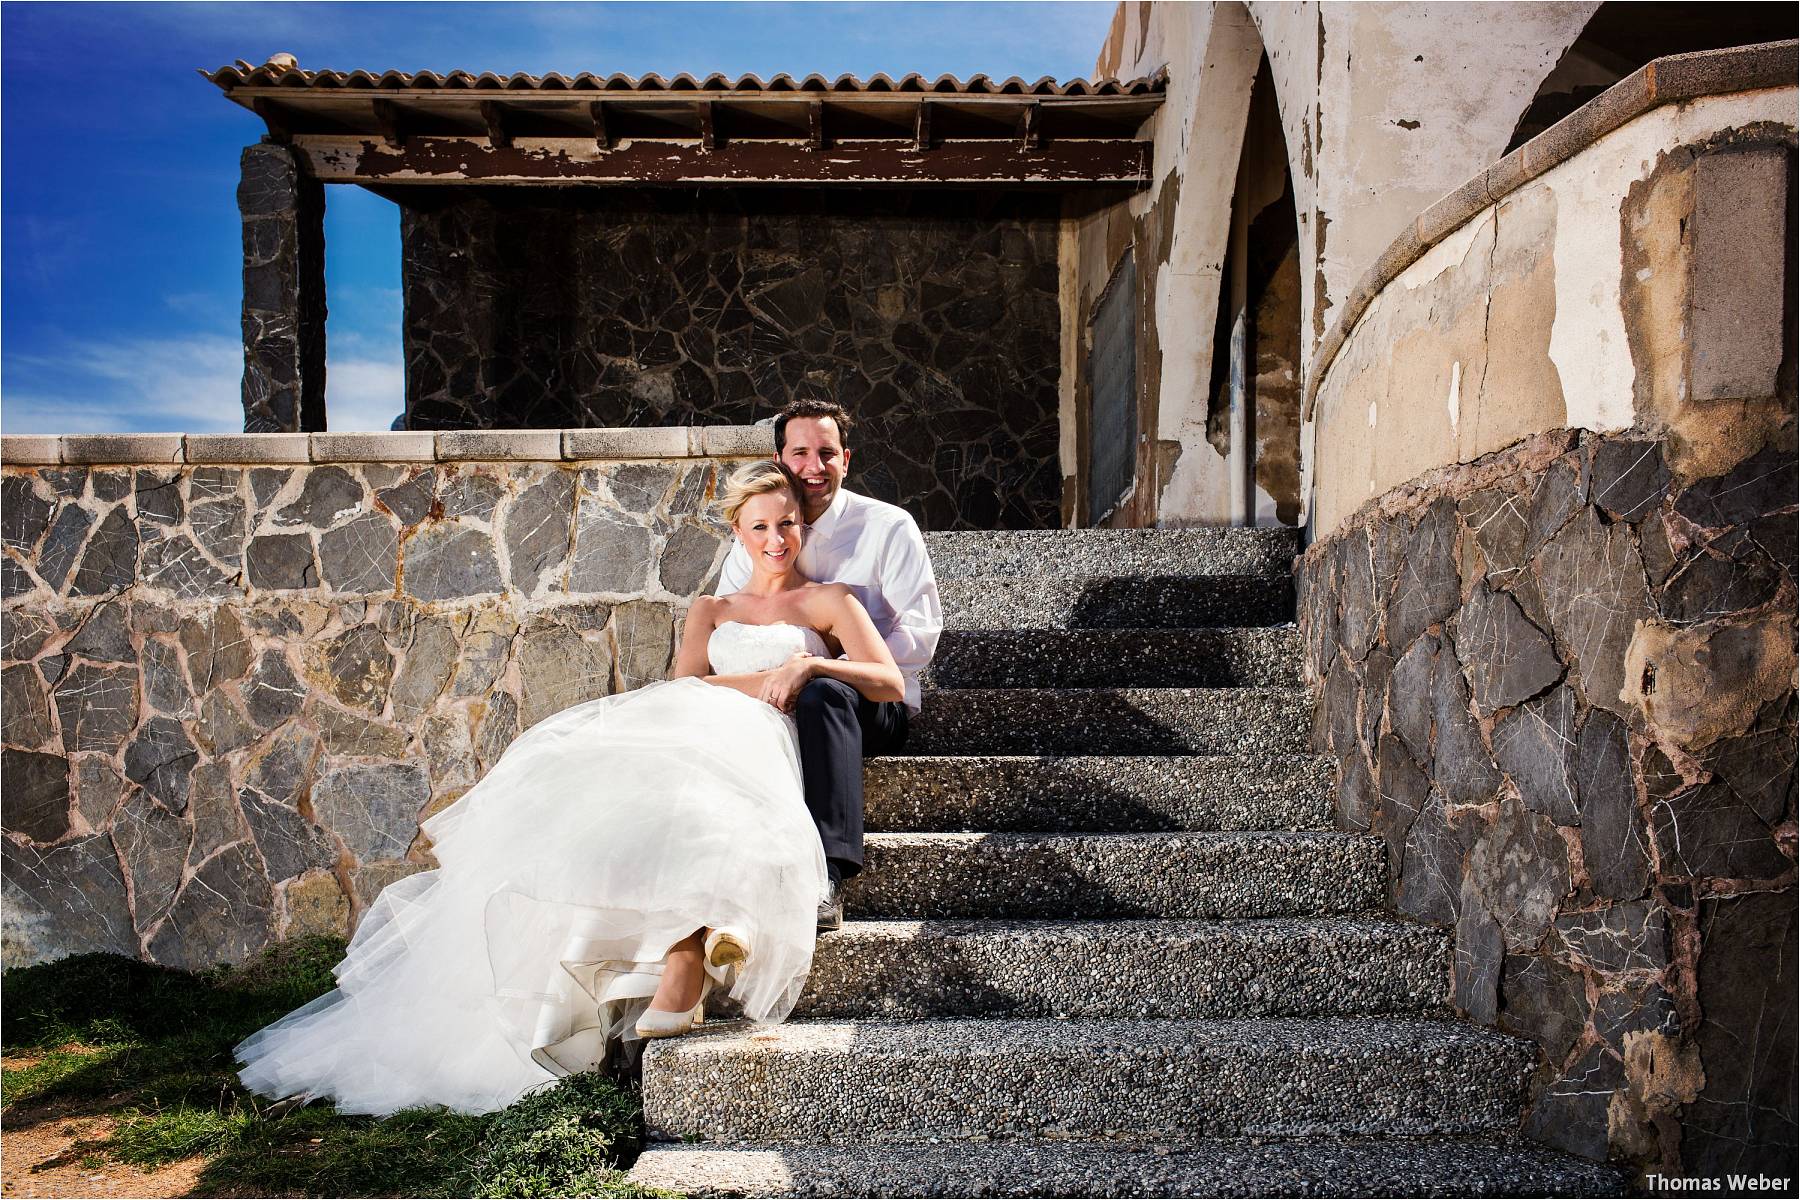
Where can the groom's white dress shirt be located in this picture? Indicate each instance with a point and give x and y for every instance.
(876, 549)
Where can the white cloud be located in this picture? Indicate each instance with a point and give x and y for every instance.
(177, 385)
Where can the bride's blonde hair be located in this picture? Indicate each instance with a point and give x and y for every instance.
(756, 479)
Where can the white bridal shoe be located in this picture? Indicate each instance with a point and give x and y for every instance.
(725, 948)
(659, 1023)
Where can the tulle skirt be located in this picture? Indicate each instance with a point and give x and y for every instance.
(604, 834)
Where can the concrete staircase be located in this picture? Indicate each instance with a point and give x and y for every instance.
(1106, 943)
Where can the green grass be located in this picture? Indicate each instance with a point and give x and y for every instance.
(151, 1046)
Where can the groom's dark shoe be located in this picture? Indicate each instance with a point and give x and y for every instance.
(831, 909)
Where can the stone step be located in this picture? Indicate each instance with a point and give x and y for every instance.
(1097, 792)
(1129, 602)
(1112, 721)
(1059, 553)
(907, 970)
(1209, 1167)
(983, 876)
(1080, 658)
(868, 1082)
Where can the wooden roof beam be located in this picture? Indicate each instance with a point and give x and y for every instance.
(597, 115)
(1029, 140)
(922, 126)
(387, 119)
(494, 117)
(709, 125)
(815, 124)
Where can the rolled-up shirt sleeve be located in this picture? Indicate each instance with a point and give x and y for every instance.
(910, 587)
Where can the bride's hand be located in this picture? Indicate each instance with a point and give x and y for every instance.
(781, 686)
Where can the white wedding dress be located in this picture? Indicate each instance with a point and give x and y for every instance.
(605, 834)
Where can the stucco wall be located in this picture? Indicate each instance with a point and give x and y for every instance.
(1382, 113)
(232, 690)
(1567, 304)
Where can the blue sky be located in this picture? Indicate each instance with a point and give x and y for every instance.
(118, 167)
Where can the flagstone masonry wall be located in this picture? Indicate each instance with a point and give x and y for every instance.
(232, 690)
(1559, 682)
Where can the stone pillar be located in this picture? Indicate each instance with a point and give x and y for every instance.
(284, 292)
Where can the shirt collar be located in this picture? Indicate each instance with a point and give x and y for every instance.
(831, 516)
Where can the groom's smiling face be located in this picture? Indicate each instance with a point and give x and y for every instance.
(813, 450)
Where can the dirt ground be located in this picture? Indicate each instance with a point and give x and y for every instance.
(44, 1151)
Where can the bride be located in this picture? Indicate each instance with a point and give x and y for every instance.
(622, 859)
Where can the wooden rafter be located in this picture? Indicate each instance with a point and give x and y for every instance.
(494, 117)
(597, 115)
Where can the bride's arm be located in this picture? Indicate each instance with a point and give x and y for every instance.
(868, 666)
(691, 660)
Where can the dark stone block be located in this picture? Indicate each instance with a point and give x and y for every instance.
(22, 634)
(1534, 744)
(1634, 1008)
(499, 727)
(1612, 828)
(212, 483)
(177, 564)
(161, 760)
(1744, 1119)
(1708, 831)
(1709, 586)
(266, 483)
(110, 484)
(218, 650)
(1595, 593)
(68, 533)
(1556, 499)
(1620, 937)
(612, 553)
(223, 727)
(1766, 482)
(644, 632)
(1428, 589)
(67, 482)
(1570, 1114)
(361, 556)
(355, 666)
(1431, 866)
(426, 667)
(96, 706)
(328, 495)
(284, 772)
(272, 694)
(109, 564)
(24, 707)
(1460, 764)
(1496, 519)
(1410, 697)
(536, 530)
(1629, 477)
(37, 793)
(1356, 795)
(290, 844)
(24, 515)
(103, 636)
(219, 526)
(1479, 952)
(410, 501)
(1509, 659)
(1316, 594)
(1545, 1001)
(1339, 701)
(1520, 868)
(154, 844)
(1356, 591)
(449, 562)
(1779, 537)
(1759, 767)
(470, 495)
(68, 899)
(213, 809)
(1376, 671)
(159, 497)
(224, 914)
(373, 808)
(282, 561)
(688, 560)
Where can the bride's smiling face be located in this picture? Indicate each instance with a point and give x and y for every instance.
(769, 527)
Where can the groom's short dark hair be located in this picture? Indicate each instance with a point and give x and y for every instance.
(817, 408)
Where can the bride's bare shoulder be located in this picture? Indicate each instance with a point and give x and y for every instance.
(709, 610)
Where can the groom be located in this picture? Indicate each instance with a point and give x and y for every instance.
(876, 549)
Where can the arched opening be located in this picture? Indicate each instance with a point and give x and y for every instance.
(1253, 405)
(1623, 35)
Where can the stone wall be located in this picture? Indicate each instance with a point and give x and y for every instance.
(1559, 682)
(232, 690)
(932, 316)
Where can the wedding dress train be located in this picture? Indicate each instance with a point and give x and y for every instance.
(604, 834)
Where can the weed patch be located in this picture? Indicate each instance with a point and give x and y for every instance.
(151, 1047)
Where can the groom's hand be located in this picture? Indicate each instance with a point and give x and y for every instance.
(781, 686)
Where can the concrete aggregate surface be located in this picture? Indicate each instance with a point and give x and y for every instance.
(1098, 792)
(1075, 658)
(1123, 602)
(918, 875)
(813, 1081)
(1118, 720)
(1060, 552)
(1216, 1167)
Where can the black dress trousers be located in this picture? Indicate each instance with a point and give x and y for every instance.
(838, 728)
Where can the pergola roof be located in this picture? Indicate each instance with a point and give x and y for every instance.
(395, 128)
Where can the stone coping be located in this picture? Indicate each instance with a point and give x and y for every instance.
(1661, 81)
(463, 445)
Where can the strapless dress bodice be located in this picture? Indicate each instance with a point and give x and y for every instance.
(739, 649)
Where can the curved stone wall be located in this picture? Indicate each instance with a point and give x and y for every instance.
(233, 689)
(1560, 685)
